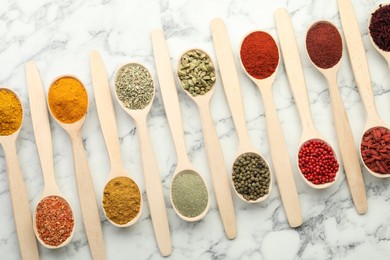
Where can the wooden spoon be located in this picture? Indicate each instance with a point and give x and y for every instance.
(106, 115)
(360, 69)
(41, 126)
(344, 135)
(233, 95)
(172, 108)
(84, 181)
(295, 75)
(216, 159)
(19, 197)
(152, 177)
(385, 54)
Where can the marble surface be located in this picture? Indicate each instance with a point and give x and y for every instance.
(59, 35)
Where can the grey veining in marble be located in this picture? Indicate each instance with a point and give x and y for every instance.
(59, 35)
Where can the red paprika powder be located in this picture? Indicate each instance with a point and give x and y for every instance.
(375, 149)
(259, 54)
(317, 162)
(324, 45)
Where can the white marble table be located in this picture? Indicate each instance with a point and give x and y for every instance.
(59, 35)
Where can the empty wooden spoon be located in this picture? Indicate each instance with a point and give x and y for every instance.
(51, 194)
(134, 90)
(216, 160)
(310, 136)
(233, 95)
(184, 208)
(326, 57)
(9, 131)
(69, 111)
(361, 73)
(118, 175)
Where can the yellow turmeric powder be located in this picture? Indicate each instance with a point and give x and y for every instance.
(11, 112)
(121, 200)
(68, 100)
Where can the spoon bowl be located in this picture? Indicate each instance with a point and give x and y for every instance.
(385, 54)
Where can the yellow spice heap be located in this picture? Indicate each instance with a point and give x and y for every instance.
(68, 100)
(11, 112)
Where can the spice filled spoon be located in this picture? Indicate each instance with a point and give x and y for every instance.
(378, 30)
(134, 91)
(317, 161)
(11, 111)
(53, 214)
(189, 193)
(232, 90)
(122, 199)
(200, 89)
(325, 49)
(68, 104)
(375, 141)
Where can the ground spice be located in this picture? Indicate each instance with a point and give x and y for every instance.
(380, 27)
(121, 200)
(11, 113)
(259, 55)
(317, 162)
(196, 72)
(54, 220)
(251, 176)
(324, 45)
(134, 86)
(189, 194)
(68, 100)
(375, 149)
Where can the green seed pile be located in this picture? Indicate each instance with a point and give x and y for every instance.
(251, 176)
(134, 86)
(196, 72)
(189, 194)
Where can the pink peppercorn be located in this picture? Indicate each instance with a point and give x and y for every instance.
(317, 162)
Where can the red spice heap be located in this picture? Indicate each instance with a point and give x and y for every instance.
(375, 149)
(54, 220)
(380, 27)
(324, 45)
(259, 55)
(317, 162)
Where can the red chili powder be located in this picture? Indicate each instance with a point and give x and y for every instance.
(317, 162)
(375, 149)
(54, 220)
(259, 55)
(380, 27)
(324, 45)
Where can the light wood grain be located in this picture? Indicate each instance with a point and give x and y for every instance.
(293, 66)
(107, 120)
(216, 161)
(19, 199)
(41, 126)
(231, 86)
(153, 186)
(358, 60)
(86, 191)
(172, 109)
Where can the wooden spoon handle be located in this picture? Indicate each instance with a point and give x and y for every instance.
(293, 66)
(231, 83)
(347, 148)
(88, 202)
(218, 173)
(105, 108)
(20, 204)
(41, 125)
(281, 161)
(357, 55)
(154, 190)
(169, 93)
